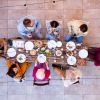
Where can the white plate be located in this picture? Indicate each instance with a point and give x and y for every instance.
(72, 44)
(59, 44)
(41, 58)
(11, 52)
(51, 44)
(29, 45)
(58, 53)
(83, 53)
(71, 60)
(21, 58)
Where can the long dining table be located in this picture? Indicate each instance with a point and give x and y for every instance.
(51, 55)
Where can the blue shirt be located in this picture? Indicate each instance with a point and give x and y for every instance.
(23, 30)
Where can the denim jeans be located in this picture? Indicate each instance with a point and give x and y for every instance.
(71, 37)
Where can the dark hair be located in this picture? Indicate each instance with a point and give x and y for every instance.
(83, 28)
(26, 22)
(11, 73)
(54, 24)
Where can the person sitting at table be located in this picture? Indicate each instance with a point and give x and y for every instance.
(69, 75)
(3, 47)
(94, 55)
(53, 30)
(77, 30)
(30, 27)
(41, 71)
(17, 70)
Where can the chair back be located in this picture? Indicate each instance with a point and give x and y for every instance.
(40, 82)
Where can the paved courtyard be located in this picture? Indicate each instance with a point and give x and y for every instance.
(87, 89)
(65, 10)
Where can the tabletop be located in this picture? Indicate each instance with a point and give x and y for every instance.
(58, 55)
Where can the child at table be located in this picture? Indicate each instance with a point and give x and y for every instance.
(17, 70)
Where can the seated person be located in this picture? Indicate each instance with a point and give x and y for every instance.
(69, 76)
(29, 27)
(41, 71)
(3, 46)
(94, 55)
(53, 30)
(77, 30)
(17, 70)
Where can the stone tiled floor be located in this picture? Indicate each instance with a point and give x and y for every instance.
(65, 10)
(89, 87)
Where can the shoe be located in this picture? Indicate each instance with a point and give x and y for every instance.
(23, 79)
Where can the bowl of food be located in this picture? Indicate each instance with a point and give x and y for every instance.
(42, 50)
(78, 46)
(38, 43)
(58, 53)
(81, 62)
(69, 53)
(33, 52)
(21, 58)
(70, 46)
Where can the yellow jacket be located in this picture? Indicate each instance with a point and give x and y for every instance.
(23, 67)
(74, 25)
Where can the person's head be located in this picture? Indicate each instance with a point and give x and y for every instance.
(28, 23)
(54, 24)
(40, 74)
(12, 70)
(83, 28)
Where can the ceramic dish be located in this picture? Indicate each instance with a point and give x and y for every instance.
(29, 45)
(11, 52)
(58, 53)
(51, 44)
(21, 58)
(33, 52)
(70, 46)
(41, 58)
(59, 44)
(38, 43)
(83, 53)
(71, 60)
